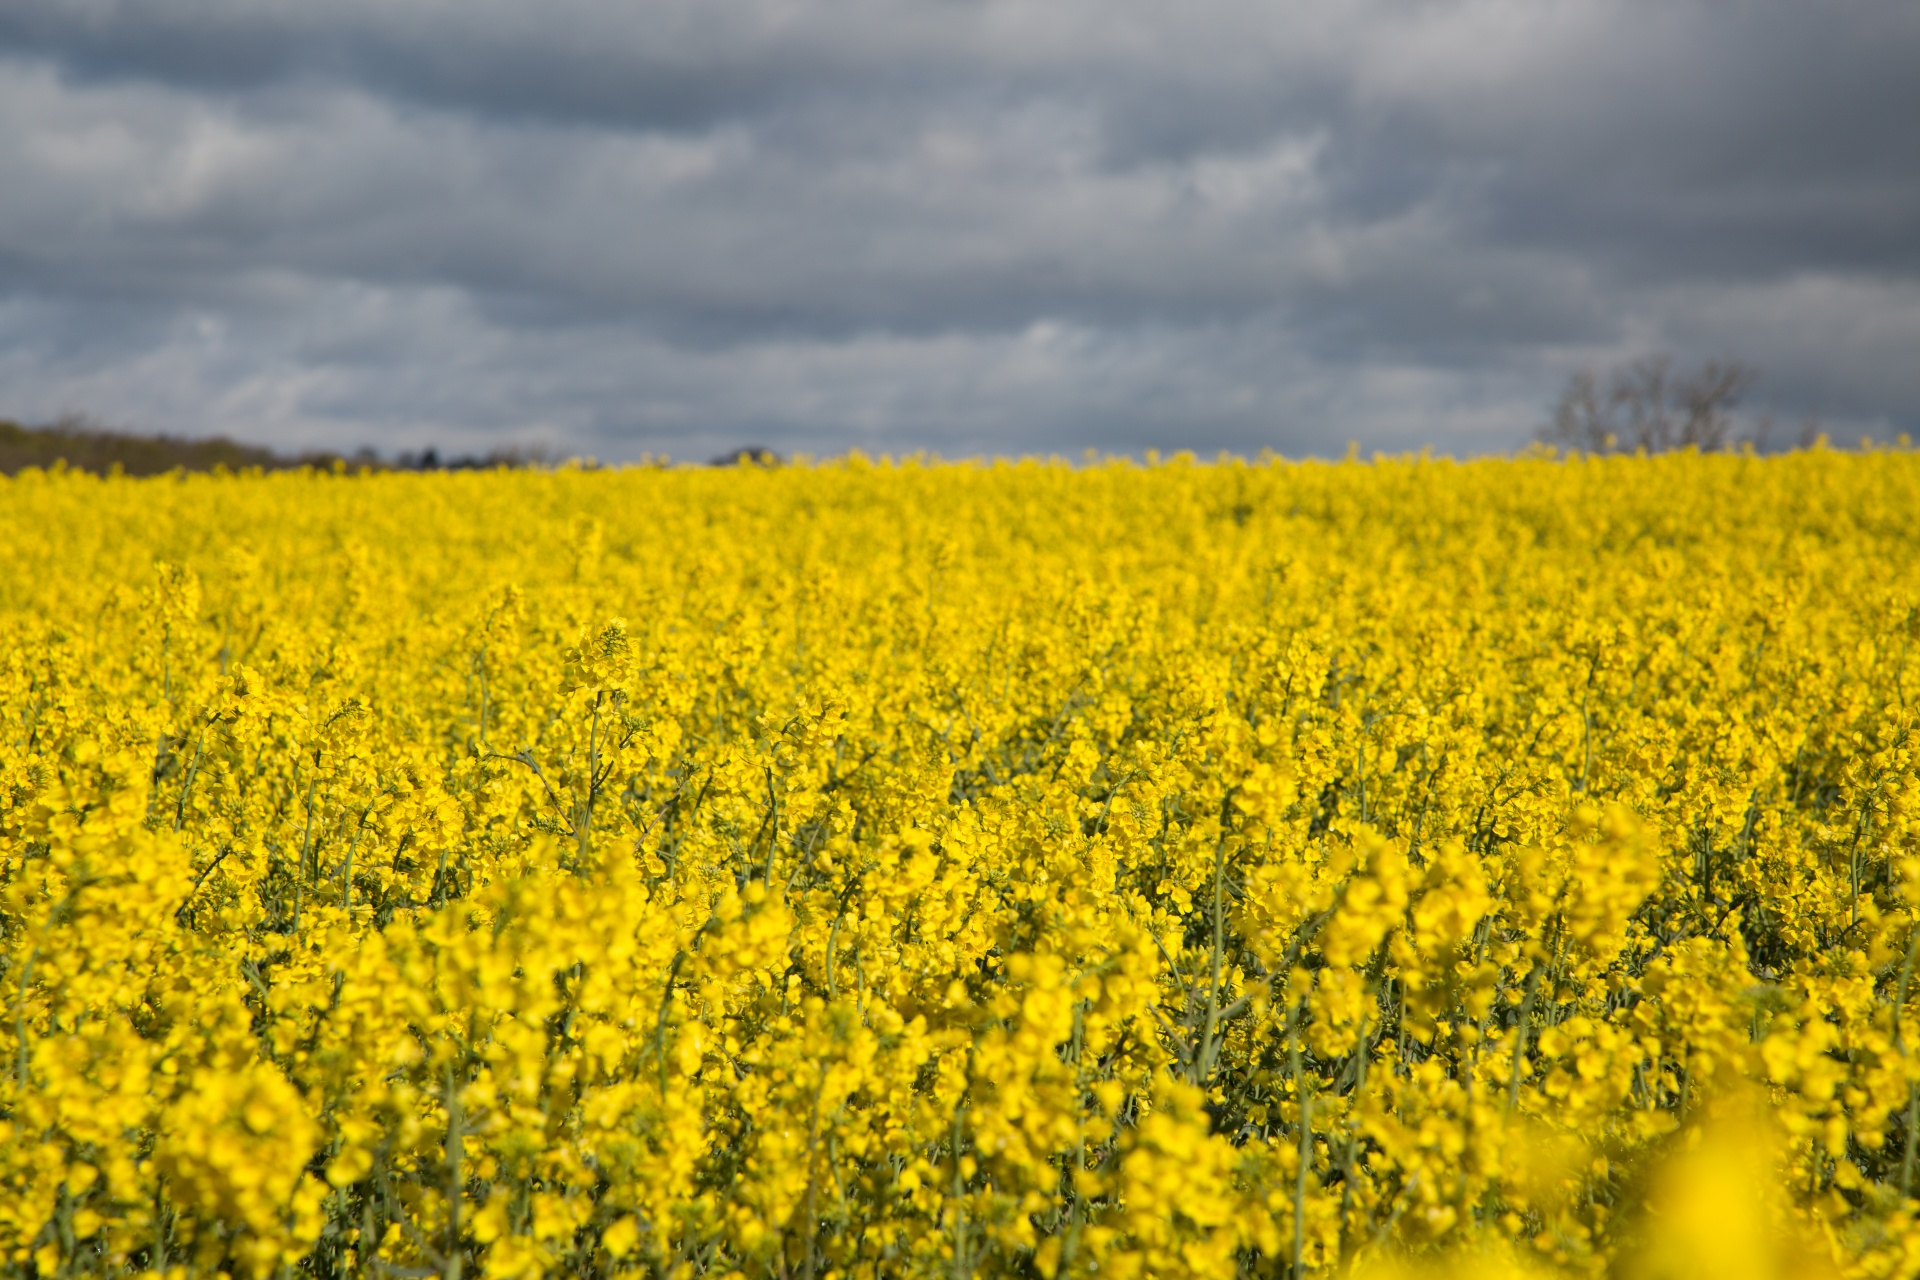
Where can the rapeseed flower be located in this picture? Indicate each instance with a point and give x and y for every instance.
(893, 869)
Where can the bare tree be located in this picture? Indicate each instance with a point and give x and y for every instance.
(1643, 405)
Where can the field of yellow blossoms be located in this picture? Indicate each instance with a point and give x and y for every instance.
(1190, 869)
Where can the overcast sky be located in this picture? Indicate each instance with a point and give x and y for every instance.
(967, 226)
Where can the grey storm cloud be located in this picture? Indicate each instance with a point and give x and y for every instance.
(968, 226)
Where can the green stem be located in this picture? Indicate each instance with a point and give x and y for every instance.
(456, 1133)
(1305, 1107)
(306, 847)
(1913, 1131)
(1520, 1038)
(186, 786)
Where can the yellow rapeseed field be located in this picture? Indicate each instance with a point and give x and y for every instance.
(1194, 869)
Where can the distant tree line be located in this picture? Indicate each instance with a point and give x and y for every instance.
(1645, 404)
(748, 455)
(86, 446)
(430, 459)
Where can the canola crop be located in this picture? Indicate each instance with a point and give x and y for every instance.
(1240, 868)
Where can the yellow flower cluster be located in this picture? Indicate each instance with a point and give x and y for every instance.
(900, 869)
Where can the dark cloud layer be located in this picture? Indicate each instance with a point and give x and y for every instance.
(961, 225)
